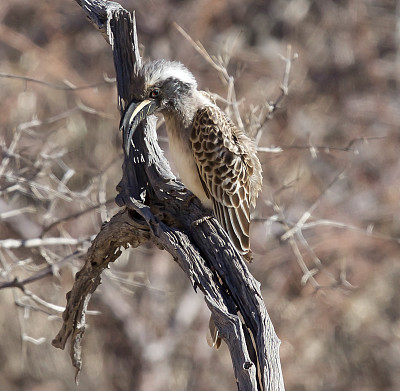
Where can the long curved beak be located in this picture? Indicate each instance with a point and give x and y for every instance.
(135, 113)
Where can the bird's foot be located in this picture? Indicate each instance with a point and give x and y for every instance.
(202, 220)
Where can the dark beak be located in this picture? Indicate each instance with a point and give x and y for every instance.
(135, 113)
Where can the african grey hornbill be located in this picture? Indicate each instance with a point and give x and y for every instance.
(215, 159)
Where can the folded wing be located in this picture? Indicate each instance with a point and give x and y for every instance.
(229, 169)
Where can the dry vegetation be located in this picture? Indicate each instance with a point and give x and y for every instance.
(327, 225)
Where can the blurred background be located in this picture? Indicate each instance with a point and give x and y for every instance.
(331, 165)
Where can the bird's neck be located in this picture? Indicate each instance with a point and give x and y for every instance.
(177, 126)
(184, 111)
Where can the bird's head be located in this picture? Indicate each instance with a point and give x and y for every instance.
(163, 86)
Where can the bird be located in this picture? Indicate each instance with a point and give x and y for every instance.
(216, 160)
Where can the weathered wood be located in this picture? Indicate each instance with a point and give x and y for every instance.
(159, 209)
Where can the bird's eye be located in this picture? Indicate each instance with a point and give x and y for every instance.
(154, 93)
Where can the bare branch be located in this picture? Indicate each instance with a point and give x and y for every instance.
(52, 85)
(350, 147)
(203, 52)
(75, 215)
(37, 242)
(48, 271)
(307, 214)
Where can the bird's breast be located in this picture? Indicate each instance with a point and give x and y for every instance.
(182, 155)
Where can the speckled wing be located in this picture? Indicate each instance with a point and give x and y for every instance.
(229, 169)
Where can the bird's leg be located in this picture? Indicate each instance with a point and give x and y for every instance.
(185, 205)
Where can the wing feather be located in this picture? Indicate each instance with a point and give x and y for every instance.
(229, 169)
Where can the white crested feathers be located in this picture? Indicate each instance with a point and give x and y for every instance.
(160, 70)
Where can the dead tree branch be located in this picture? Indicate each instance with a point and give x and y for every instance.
(159, 209)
